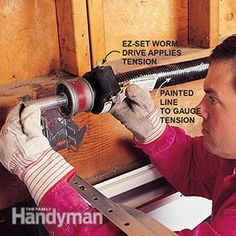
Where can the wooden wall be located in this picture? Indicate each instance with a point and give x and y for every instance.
(107, 23)
(43, 37)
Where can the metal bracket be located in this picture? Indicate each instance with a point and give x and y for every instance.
(130, 221)
(122, 219)
(60, 131)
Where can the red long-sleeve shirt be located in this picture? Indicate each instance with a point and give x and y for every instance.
(187, 166)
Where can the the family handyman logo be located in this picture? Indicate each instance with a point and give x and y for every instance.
(33, 216)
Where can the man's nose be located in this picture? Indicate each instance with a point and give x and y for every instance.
(200, 110)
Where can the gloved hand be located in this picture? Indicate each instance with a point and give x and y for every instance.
(139, 115)
(26, 152)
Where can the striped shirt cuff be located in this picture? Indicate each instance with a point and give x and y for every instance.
(158, 127)
(42, 175)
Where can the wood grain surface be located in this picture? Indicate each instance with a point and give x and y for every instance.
(204, 23)
(73, 30)
(28, 39)
(227, 9)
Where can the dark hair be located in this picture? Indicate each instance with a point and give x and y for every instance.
(225, 50)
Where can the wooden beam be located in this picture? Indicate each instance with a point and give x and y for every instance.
(97, 32)
(73, 36)
(204, 23)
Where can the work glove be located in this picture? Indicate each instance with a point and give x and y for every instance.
(26, 152)
(139, 114)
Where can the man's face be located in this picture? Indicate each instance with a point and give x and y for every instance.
(218, 109)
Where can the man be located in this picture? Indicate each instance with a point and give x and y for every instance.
(203, 166)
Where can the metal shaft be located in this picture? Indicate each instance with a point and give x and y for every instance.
(76, 96)
(49, 102)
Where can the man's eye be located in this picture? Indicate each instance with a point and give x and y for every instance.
(213, 100)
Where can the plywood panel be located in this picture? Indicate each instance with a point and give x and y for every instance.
(28, 39)
(136, 19)
(204, 23)
(227, 17)
(74, 36)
